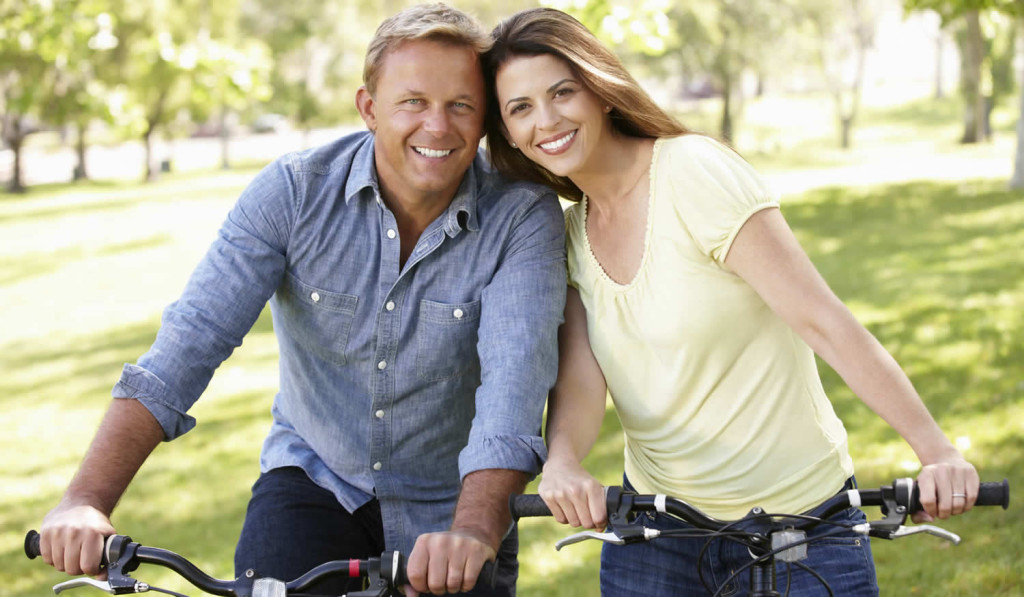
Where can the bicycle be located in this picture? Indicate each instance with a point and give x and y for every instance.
(768, 537)
(121, 556)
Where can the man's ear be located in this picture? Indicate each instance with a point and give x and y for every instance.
(367, 108)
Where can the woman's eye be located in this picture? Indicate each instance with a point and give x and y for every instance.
(563, 91)
(517, 108)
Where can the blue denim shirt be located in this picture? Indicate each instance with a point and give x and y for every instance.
(394, 382)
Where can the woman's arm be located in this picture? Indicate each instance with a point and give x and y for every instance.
(767, 256)
(575, 411)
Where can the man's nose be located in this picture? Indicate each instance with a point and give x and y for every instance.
(437, 121)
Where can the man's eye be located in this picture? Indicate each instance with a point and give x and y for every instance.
(414, 101)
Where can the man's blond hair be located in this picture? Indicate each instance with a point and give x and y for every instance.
(436, 22)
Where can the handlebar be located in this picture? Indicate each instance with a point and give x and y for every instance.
(122, 556)
(897, 502)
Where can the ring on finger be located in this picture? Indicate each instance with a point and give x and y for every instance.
(960, 495)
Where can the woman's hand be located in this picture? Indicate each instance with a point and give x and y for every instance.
(947, 487)
(573, 495)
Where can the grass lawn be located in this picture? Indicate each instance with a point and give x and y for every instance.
(931, 263)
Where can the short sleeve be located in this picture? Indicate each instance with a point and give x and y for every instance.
(714, 190)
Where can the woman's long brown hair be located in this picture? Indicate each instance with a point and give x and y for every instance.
(540, 31)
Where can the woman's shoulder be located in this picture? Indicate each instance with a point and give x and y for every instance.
(693, 150)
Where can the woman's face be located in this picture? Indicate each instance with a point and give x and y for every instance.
(549, 114)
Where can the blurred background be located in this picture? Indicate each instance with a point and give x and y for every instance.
(90, 87)
(892, 130)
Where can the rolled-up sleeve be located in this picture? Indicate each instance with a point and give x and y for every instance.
(522, 308)
(221, 301)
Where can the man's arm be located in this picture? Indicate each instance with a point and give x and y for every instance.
(221, 300)
(72, 533)
(450, 562)
(522, 308)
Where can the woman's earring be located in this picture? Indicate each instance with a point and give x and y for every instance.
(513, 144)
(607, 109)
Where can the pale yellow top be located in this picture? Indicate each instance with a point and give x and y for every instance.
(720, 401)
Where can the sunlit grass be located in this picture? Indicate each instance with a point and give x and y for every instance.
(932, 267)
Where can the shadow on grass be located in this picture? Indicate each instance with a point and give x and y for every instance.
(40, 264)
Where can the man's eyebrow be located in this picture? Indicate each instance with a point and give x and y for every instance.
(549, 90)
(417, 92)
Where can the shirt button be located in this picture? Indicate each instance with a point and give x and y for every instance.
(315, 296)
(392, 233)
(390, 306)
(377, 466)
(382, 365)
(458, 313)
(379, 414)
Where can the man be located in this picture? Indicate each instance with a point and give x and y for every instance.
(416, 299)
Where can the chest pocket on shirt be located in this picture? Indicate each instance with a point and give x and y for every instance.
(446, 343)
(318, 319)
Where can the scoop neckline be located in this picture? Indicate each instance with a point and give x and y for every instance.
(619, 286)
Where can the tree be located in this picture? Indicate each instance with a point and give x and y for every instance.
(29, 40)
(949, 10)
(74, 93)
(843, 32)
(317, 48)
(726, 39)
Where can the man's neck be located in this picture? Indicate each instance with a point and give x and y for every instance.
(413, 215)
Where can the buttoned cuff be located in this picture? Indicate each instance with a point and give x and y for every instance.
(139, 384)
(525, 453)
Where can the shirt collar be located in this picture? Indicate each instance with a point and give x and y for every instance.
(461, 212)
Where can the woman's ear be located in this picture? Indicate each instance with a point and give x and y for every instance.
(508, 137)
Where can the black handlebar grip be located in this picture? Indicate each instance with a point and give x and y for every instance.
(32, 545)
(990, 493)
(528, 505)
(994, 494)
(488, 574)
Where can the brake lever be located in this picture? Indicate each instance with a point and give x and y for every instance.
(873, 529)
(610, 537)
(930, 530)
(77, 583)
(607, 537)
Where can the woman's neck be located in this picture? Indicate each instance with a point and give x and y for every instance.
(618, 167)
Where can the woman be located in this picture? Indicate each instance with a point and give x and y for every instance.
(693, 305)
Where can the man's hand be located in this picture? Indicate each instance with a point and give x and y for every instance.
(72, 536)
(447, 562)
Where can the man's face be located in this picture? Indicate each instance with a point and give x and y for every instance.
(427, 114)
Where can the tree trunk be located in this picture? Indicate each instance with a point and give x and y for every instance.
(15, 138)
(1017, 181)
(973, 57)
(15, 185)
(152, 169)
(940, 47)
(81, 172)
(726, 128)
(225, 138)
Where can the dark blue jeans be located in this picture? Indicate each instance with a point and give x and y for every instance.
(668, 567)
(293, 525)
